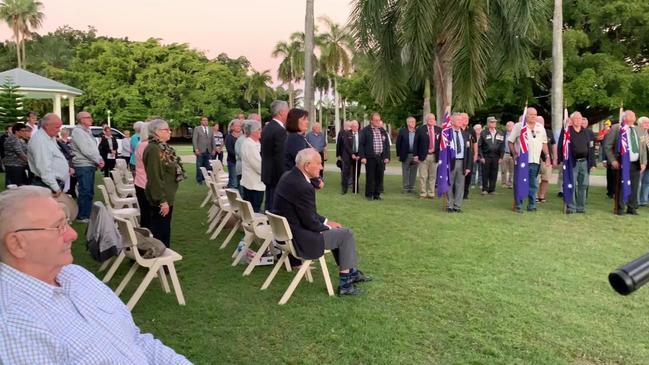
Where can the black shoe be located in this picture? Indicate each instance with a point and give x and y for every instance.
(632, 211)
(560, 195)
(343, 192)
(581, 212)
(350, 289)
(369, 198)
(450, 210)
(518, 210)
(359, 277)
(466, 197)
(378, 198)
(531, 209)
(619, 212)
(570, 212)
(458, 210)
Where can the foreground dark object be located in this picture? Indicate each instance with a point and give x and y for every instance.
(630, 277)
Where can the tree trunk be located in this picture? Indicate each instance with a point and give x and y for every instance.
(291, 101)
(426, 99)
(308, 59)
(557, 68)
(259, 108)
(344, 104)
(24, 62)
(443, 78)
(336, 107)
(324, 126)
(18, 58)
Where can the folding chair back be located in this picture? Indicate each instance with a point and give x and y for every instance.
(129, 240)
(217, 165)
(281, 232)
(233, 195)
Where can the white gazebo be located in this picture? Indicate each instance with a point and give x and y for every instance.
(33, 86)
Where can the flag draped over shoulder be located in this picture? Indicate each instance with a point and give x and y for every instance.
(625, 165)
(568, 187)
(522, 170)
(446, 153)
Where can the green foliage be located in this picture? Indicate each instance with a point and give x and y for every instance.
(11, 105)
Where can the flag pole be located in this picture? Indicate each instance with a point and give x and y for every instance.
(565, 122)
(618, 183)
(515, 173)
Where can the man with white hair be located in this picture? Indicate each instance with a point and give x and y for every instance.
(135, 141)
(405, 153)
(54, 312)
(46, 161)
(318, 140)
(312, 233)
(426, 151)
(85, 161)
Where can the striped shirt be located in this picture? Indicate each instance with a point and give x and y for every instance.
(377, 141)
(79, 322)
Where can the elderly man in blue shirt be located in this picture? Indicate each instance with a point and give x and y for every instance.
(318, 140)
(46, 161)
(54, 312)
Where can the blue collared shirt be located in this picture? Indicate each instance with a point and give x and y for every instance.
(318, 141)
(79, 322)
(46, 159)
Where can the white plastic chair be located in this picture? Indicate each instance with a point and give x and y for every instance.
(122, 166)
(116, 200)
(284, 238)
(155, 266)
(256, 229)
(131, 214)
(123, 190)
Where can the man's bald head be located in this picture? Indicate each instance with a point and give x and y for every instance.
(309, 162)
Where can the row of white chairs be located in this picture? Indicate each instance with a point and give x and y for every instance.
(259, 229)
(119, 198)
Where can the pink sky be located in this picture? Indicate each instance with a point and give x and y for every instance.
(237, 27)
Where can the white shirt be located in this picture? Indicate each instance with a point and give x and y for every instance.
(251, 165)
(536, 137)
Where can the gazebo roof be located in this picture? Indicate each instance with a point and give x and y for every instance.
(36, 86)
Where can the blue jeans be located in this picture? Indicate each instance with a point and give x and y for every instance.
(86, 186)
(644, 189)
(232, 175)
(534, 187)
(580, 180)
(202, 160)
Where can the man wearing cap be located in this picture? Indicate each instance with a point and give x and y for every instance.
(491, 148)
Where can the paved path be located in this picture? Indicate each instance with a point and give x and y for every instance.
(395, 169)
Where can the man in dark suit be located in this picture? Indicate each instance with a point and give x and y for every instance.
(202, 143)
(461, 165)
(374, 151)
(349, 157)
(273, 137)
(427, 155)
(405, 149)
(312, 233)
(340, 139)
(491, 148)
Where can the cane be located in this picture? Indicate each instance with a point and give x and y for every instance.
(356, 177)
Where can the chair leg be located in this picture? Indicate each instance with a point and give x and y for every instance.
(118, 261)
(221, 226)
(296, 280)
(104, 265)
(308, 276)
(325, 273)
(126, 279)
(142, 287)
(231, 234)
(216, 220)
(255, 260)
(287, 264)
(207, 198)
(163, 280)
(270, 277)
(176, 283)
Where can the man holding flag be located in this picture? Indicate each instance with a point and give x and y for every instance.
(461, 162)
(623, 151)
(527, 141)
(578, 157)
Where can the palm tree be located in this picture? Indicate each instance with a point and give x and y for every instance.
(462, 42)
(309, 39)
(322, 83)
(21, 15)
(258, 87)
(335, 58)
(291, 69)
(557, 66)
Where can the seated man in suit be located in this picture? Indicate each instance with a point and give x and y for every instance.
(312, 233)
(55, 312)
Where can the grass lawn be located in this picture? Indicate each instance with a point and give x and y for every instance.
(487, 286)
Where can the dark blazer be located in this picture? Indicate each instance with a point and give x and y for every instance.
(339, 143)
(273, 136)
(104, 148)
(403, 144)
(230, 140)
(347, 149)
(491, 148)
(421, 142)
(468, 151)
(295, 200)
(571, 147)
(294, 143)
(365, 147)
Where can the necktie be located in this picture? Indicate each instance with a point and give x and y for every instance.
(458, 145)
(634, 141)
(431, 139)
(354, 144)
(205, 130)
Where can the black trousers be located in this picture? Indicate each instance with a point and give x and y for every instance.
(108, 167)
(16, 175)
(467, 182)
(632, 205)
(270, 191)
(610, 181)
(145, 208)
(161, 226)
(348, 178)
(490, 174)
(374, 171)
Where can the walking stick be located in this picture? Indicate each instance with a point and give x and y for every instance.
(617, 189)
(356, 178)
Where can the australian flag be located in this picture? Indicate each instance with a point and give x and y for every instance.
(568, 187)
(522, 170)
(623, 151)
(446, 153)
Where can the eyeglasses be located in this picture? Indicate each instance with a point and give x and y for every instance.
(61, 228)
(165, 129)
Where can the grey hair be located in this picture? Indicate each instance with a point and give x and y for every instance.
(156, 124)
(429, 115)
(232, 123)
(352, 122)
(642, 120)
(304, 156)
(250, 126)
(575, 114)
(254, 116)
(277, 106)
(144, 131)
(12, 201)
(137, 126)
(411, 119)
(78, 117)
(49, 118)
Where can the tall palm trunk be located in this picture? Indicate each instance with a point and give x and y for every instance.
(259, 107)
(557, 67)
(426, 98)
(320, 112)
(17, 36)
(336, 107)
(24, 61)
(308, 59)
(291, 100)
(344, 105)
(443, 70)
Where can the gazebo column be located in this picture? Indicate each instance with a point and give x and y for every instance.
(71, 110)
(57, 104)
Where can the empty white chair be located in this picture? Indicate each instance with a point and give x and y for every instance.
(122, 166)
(257, 229)
(116, 200)
(131, 214)
(123, 190)
(284, 239)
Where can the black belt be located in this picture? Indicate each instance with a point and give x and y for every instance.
(581, 159)
(459, 159)
(431, 153)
